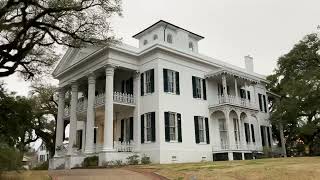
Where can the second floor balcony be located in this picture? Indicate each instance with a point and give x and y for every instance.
(235, 101)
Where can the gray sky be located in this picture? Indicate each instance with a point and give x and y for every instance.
(265, 29)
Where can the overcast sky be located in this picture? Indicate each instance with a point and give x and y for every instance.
(265, 29)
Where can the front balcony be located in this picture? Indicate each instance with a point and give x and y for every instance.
(118, 98)
(234, 101)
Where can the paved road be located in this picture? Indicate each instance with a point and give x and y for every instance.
(102, 174)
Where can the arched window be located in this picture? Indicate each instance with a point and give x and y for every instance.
(155, 37)
(145, 42)
(191, 46)
(169, 38)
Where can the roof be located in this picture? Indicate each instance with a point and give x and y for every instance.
(167, 23)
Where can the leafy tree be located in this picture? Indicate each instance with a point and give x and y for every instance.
(30, 30)
(297, 81)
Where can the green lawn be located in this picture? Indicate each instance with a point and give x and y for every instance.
(304, 168)
(25, 175)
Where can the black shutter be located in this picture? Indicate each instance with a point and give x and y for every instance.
(177, 83)
(122, 130)
(204, 89)
(165, 80)
(166, 126)
(152, 80)
(207, 130)
(252, 133)
(264, 103)
(153, 126)
(79, 138)
(142, 84)
(246, 129)
(142, 128)
(262, 135)
(179, 127)
(122, 86)
(249, 98)
(194, 86)
(94, 135)
(196, 129)
(260, 102)
(268, 129)
(131, 128)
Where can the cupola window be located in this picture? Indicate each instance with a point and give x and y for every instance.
(145, 42)
(191, 46)
(155, 37)
(169, 38)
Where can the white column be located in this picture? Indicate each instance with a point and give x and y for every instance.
(90, 114)
(236, 87)
(242, 132)
(224, 85)
(73, 117)
(108, 115)
(250, 132)
(60, 121)
(230, 127)
(136, 119)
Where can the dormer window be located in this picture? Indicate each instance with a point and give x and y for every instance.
(191, 46)
(145, 42)
(155, 37)
(169, 38)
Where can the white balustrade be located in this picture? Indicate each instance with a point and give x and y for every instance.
(82, 105)
(230, 99)
(125, 146)
(123, 98)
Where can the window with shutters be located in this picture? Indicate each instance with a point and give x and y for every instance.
(260, 101)
(199, 88)
(253, 134)
(247, 132)
(148, 81)
(42, 158)
(264, 103)
(148, 130)
(202, 133)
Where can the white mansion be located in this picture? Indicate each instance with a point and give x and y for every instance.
(162, 100)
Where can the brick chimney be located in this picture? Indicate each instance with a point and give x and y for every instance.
(248, 60)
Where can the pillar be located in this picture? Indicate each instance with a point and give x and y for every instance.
(230, 127)
(236, 87)
(224, 85)
(108, 115)
(60, 121)
(89, 144)
(73, 117)
(136, 93)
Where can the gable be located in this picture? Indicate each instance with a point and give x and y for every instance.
(73, 56)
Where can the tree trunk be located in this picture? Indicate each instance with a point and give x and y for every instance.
(283, 143)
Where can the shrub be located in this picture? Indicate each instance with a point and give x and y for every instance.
(90, 161)
(133, 160)
(42, 166)
(145, 160)
(108, 163)
(10, 158)
(118, 163)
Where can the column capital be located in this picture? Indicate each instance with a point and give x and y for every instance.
(91, 78)
(109, 69)
(136, 74)
(74, 86)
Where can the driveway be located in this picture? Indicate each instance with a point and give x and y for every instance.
(99, 174)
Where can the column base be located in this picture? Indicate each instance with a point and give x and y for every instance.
(230, 156)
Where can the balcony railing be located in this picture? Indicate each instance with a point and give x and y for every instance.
(124, 146)
(233, 100)
(118, 97)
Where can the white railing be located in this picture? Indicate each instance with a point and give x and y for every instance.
(99, 100)
(123, 98)
(82, 105)
(230, 99)
(62, 149)
(124, 146)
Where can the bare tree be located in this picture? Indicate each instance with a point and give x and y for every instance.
(30, 30)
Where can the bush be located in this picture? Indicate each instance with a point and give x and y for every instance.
(145, 160)
(10, 158)
(133, 160)
(90, 161)
(118, 163)
(42, 166)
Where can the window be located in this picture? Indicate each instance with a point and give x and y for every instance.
(191, 46)
(145, 42)
(220, 89)
(199, 88)
(242, 93)
(264, 103)
(201, 129)
(43, 147)
(42, 158)
(223, 133)
(155, 37)
(126, 129)
(149, 81)
(172, 127)
(148, 127)
(260, 101)
(169, 38)
(236, 130)
(171, 81)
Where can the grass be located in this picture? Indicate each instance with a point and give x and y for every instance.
(25, 175)
(270, 169)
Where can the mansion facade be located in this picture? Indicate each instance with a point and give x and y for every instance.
(163, 100)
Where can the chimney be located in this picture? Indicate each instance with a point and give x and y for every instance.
(248, 60)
